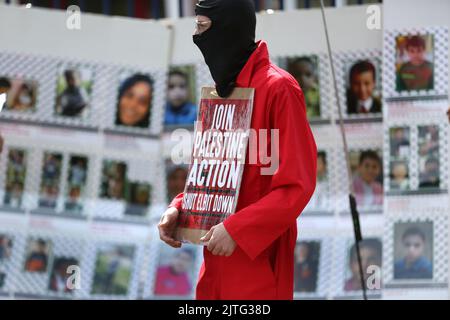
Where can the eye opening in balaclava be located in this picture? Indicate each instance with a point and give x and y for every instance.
(229, 42)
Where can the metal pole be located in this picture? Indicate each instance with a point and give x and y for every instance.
(290, 5)
(353, 208)
(172, 9)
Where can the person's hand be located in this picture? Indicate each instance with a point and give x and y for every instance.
(167, 227)
(219, 241)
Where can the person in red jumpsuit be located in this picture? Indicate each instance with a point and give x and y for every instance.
(251, 254)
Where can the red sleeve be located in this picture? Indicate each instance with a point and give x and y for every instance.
(256, 227)
(176, 202)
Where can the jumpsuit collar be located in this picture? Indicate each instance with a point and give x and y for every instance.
(258, 59)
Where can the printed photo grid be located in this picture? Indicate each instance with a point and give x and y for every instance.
(417, 161)
(68, 184)
(48, 266)
(54, 91)
(412, 157)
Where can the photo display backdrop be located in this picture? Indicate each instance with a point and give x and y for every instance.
(81, 177)
(325, 257)
(416, 135)
(393, 104)
(87, 170)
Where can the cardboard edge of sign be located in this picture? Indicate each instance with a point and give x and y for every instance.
(190, 235)
(238, 93)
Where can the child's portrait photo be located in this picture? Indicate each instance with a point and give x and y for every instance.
(73, 91)
(320, 198)
(175, 274)
(138, 199)
(413, 250)
(176, 176)
(114, 180)
(38, 255)
(399, 140)
(134, 100)
(21, 94)
(16, 170)
(2, 279)
(76, 184)
(181, 108)
(6, 244)
(306, 266)
(305, 70)
(414, 62)
(363, 87)
(367, 181)
(59, 276)
(399, 175)
(113, 269)
(429, 165)
(370, 250)
(50, 180)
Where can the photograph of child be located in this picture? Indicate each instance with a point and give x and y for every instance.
(5, 85)
(2, 279)
(414, 62)
(113, 269)
(367, 178)
(180, 105)
(6, 245)
(50, 179)
(59, 275)
(370, 250)
(38, 255)
(320, 198)
(363, 88)
(305, 71)
(76, 184)
(429, 176)
(399, 142)
(114, 176)
(15, 178)
(399, 175)
(73, 91)
(306, 267)
(176, 179)
(134, 101)
(175, 272)
(21, 94)
(138, 199)
(413, 250)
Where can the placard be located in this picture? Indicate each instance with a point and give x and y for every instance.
(218, 157)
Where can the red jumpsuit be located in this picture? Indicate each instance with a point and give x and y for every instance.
(264, 225)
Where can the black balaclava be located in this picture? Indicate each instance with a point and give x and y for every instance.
(229, 42)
